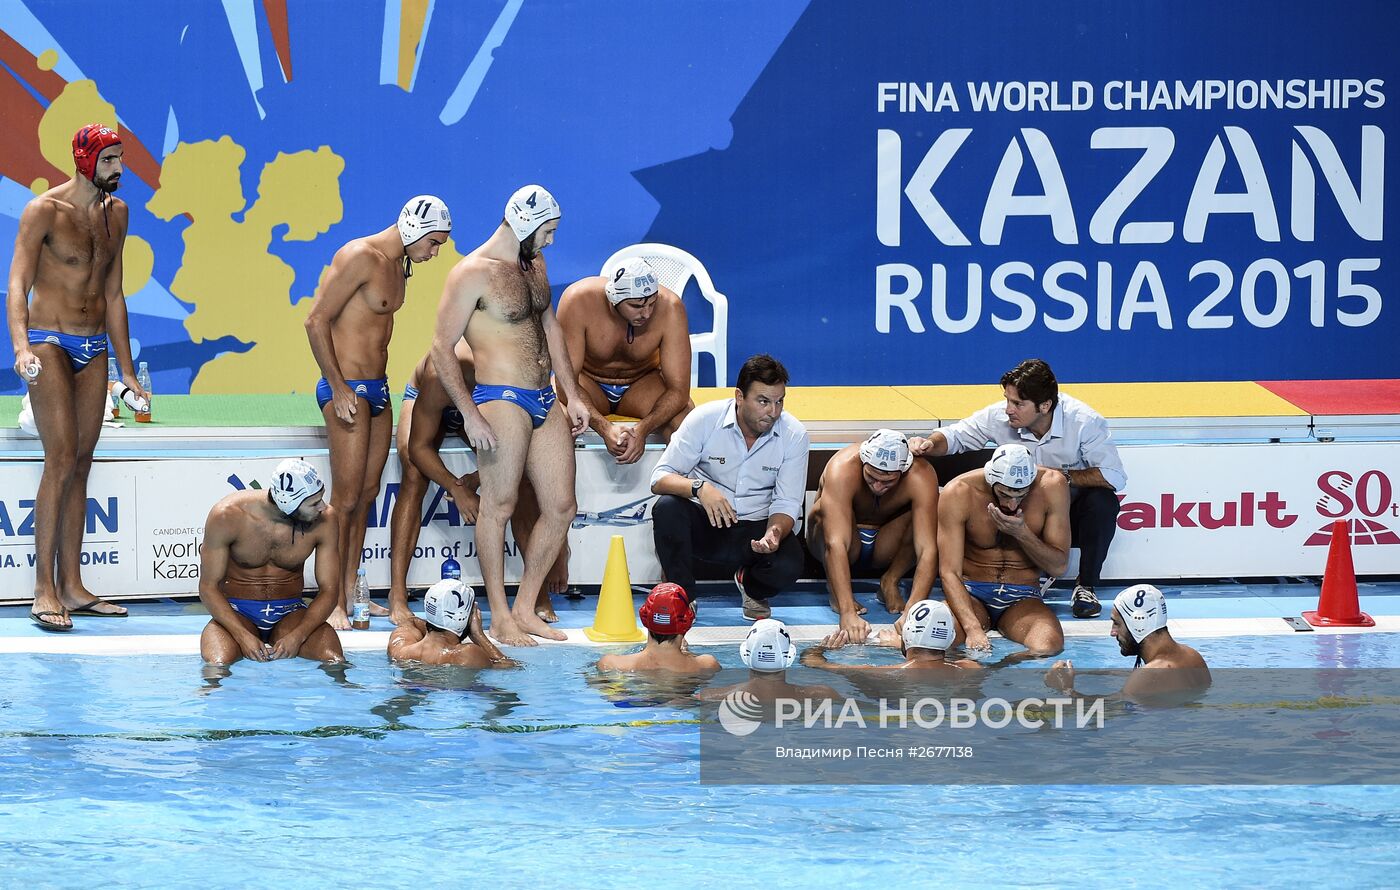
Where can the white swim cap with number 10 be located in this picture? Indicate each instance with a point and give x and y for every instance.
(529, 208)
(887, 450)
(421, 216)
(1012, 466)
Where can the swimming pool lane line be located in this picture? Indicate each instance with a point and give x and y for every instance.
(76, 643)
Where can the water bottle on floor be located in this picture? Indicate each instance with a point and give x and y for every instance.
(113, 380)
(143, 377)
(359, 617)
(451, 568)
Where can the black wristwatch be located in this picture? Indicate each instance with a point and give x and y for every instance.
(695, 487)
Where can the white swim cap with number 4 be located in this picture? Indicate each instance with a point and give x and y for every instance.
(529, 208)
(929, 626)
(293, 482)
(447, 605)
(768, 647)
(1012, 466)
(421, 216)
(1144, 610)
(887, 450)
(632, 279)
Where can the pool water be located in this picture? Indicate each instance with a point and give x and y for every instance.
(138, 771)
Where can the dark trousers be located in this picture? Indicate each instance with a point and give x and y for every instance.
(683, 534)
(1093, 518)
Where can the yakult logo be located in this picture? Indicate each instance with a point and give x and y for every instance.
(1248, 509)
(1343, 495)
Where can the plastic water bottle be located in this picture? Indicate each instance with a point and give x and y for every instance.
(451, 568)
(112, 381)
(143, 377)
(359, 617)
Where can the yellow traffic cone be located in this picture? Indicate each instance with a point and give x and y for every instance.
(616, 618)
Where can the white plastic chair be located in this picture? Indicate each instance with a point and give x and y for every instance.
(674, 269)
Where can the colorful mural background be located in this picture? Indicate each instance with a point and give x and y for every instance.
(263, 134)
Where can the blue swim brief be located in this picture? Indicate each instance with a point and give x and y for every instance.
(452, 423)
(1000, 597)
(266, 613)
(81, 348)
(614, 393)
(376, 392)
(534, 402)
(867, 546)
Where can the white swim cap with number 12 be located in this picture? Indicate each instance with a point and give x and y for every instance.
(293, 482)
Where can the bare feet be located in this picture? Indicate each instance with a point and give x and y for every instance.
(891, 597)
(557, 581)
(376, 610)
(831, 601)
(338, 621)
(544, 607)
(533, 624)
(401, 616)
(506, 631)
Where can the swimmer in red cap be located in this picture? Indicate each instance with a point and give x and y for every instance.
(68, 253)
(666, 615)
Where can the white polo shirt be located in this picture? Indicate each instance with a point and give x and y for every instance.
(1078, 438)
(769, 478)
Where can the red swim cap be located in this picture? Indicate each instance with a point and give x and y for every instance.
(667, 611)
(88, 143)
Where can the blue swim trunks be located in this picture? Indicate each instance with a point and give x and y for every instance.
(266, 613)
(614, 393)
(81, 349)
(1000, 597)
(376, 392)
(452, 424)
(534, 402)
(867, 546)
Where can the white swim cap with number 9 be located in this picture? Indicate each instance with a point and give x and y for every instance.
(529, 208)
(293, 482)
(632, 279)
(929, 625)
(423, 215)
(1012, 466)
(1144, 610)
(768, 647)
(887, 450)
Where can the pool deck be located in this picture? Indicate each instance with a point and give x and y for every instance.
(170, 627)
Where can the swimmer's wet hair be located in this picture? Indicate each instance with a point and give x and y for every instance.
(761, 368)
(1035, 381)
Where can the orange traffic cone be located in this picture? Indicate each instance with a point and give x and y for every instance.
(1338, 605)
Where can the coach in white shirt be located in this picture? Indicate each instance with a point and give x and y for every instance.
(731, 485)
(1063, 434)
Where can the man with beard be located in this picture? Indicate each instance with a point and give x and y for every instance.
(69, 252)
(256, 544)
(1166, 672)
(630, 343)
(498, 296)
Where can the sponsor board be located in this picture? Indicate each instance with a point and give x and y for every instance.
(1190, 511)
